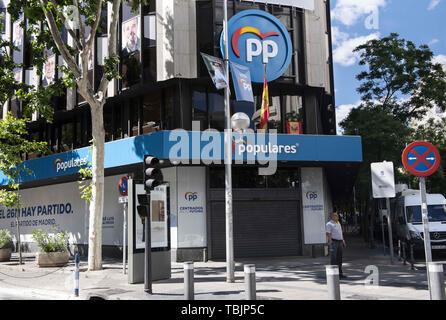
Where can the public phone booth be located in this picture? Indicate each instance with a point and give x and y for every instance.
(158, 203)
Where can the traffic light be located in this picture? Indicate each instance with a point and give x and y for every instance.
(152, 175)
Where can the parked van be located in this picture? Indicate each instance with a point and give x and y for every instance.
(407, 221)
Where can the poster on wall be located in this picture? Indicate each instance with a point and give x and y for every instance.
(60, 206)
(191, 207)
(159, 211)
(130, 36)
(313, 205)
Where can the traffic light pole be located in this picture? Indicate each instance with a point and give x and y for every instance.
(148, 255)
(228, 160)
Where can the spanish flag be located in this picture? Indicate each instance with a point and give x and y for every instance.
(264, 115)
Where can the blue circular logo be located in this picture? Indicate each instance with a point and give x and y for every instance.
(256, 39)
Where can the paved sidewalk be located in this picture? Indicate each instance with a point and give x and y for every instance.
(290, 278)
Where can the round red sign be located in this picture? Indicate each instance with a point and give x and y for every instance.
(421, 158)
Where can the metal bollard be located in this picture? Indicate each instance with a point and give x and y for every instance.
(250, 281)
(189, 281)
(334, 290)
(436, 281)
(76, 275)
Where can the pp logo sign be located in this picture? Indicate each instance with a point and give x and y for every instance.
(191, 196)
(311, 195)
(257, 38)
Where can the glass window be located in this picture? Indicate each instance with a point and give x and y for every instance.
(435, 213)
(168, 109)
(149, 41)
(2, 18)
(151, 108)
(199, 108)
(248, 177)
(205, 40)
(217, 111)
(108, 123)
(117, 119)
(67, 137)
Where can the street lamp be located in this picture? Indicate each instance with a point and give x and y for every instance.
(240, 122)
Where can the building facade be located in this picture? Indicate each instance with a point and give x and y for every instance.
(165, 86)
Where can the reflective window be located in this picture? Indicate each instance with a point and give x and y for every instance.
(435, 213)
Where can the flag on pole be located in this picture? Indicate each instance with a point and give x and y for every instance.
(264, 115)
(216, 68)
(242, 82)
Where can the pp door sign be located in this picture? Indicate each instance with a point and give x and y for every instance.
(421, 158)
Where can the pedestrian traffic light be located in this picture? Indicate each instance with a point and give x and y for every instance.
(152, 175)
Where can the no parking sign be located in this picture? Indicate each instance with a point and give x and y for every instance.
(421, 158)
(123, 186)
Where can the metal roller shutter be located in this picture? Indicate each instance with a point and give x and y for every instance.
(262, 228)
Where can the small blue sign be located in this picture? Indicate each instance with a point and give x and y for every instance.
(123, 186)
(256, 39)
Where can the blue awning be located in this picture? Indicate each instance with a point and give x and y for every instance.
(201, 146)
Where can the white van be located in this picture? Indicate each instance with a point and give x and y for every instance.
(408, 223)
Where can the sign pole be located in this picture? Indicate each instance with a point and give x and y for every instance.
(389, 226)
(382, 225)
(124, 240)
(228, 160)
(427, 238)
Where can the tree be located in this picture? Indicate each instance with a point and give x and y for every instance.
(13, 134)
(400, 84)
(433, 131)
(13, 144)
(383, 138)
(46, 20)
(401, 78)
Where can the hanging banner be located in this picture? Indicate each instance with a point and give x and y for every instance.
(304, 4)
(216, 71)
(242, 82)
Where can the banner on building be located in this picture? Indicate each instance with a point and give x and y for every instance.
(242, 82)
(216, 70)
(304, 4)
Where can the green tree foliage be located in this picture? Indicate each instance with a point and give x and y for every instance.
(400, 84)
(14, 143)
(400, 77)
(433, 131)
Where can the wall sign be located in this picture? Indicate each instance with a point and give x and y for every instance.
(256, 39)
(313, 205)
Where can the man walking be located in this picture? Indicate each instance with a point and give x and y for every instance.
(336, 242)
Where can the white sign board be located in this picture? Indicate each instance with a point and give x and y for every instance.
(191, 207)
(383, 180)
(313, 206)
(304, 4)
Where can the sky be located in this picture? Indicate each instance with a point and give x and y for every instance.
(354, 22)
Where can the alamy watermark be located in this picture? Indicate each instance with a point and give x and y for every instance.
(208, 147)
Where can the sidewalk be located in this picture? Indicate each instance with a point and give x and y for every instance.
(290, 278)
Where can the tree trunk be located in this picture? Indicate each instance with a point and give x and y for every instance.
(97, 200)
